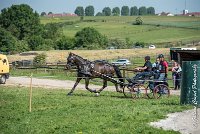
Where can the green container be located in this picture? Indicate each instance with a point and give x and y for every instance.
(190, 84)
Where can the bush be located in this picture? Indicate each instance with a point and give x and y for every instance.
(39, 60)
(138, 21)
(140, 44)
(116, 43)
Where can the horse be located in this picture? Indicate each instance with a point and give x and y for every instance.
(97, 69)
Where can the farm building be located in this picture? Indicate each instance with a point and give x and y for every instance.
(180, 55)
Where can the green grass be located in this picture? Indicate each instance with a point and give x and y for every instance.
(156, 29)
(54, 112)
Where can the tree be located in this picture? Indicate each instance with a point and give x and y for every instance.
(125, 11)
(134, 11)
(151, 11)
(106, 11)
(99, 14)
(43, 14)
(51, 31)
(90, 38)
(21, 19)
(79, 11)
(116, 11)
(142, 10)
(36, 42)
(65, 43)
(89, 11)
(7, 41)
(50, 13)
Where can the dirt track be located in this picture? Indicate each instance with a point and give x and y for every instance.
(187, 122)
(49, 83)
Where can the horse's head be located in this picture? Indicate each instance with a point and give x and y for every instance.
(70, 60)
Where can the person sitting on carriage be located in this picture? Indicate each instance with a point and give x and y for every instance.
(163, 69)
(155, 68)
(145, 71)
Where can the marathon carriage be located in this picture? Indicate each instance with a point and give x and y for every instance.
(148, 87)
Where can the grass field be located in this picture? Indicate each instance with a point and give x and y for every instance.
(156, 29)
(54, 112)
(61, 55)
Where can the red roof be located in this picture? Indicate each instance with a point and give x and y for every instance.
(61, 15)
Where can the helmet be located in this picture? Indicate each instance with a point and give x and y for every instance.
(147, 57)
(160, 56)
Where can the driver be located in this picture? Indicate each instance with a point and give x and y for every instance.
(145, 70)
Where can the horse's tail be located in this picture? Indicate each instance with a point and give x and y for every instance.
(119, 74)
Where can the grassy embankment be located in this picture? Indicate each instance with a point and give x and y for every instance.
(156, 29)
(53, 112)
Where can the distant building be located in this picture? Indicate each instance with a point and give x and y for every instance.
(61, 15)
(185, 12)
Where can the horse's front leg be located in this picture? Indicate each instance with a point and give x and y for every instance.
(117, 88)
(76, 83)
(104, 86)
(87, 81)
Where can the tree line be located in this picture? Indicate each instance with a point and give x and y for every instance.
(116, 11)
(21, 30)
(125, 11)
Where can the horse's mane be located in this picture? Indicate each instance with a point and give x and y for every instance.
(79, 57)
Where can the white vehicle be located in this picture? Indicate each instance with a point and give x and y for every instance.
(152, 47)
(122, 62)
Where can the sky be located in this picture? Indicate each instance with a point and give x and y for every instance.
(69, 6)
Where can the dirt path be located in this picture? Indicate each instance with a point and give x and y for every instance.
(50, 83)
(183, 122)
(186, 122)
(62, 84)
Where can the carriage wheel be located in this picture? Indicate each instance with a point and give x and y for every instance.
(133, 91)
(129, 91)
(140, 91)
(161, 90)
(149, 92)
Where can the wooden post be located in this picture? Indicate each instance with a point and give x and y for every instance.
(30, 97)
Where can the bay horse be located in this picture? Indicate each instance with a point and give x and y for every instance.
(97, 69)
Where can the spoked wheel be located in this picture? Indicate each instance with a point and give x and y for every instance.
(134, 91)
(149, 92)
(161, 90)
(140, 91)
(129, 91)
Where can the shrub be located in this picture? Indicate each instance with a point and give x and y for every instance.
(139, 44)
(138, 21)
(39, 60)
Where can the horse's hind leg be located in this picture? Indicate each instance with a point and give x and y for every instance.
(72, 90)
(87, 81)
